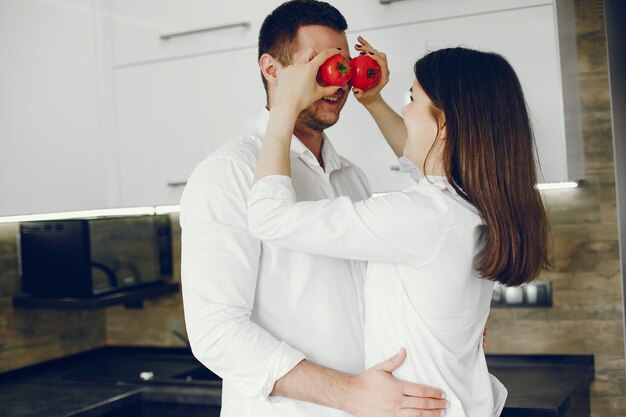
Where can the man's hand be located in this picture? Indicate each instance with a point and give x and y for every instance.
(377, 393)
(297, 86)
(373, 393)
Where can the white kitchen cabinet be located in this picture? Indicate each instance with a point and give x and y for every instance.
(141, 28)
(206, 26)
(527, 37)
(98, 111)
(174, 109)
(369, 14)
(171, 115)
(50, 153)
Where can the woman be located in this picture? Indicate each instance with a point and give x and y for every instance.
(435, 249)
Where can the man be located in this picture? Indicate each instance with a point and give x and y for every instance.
(282, 328)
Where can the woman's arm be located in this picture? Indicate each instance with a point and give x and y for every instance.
(402, 227)
(389, 122)
(397, 227)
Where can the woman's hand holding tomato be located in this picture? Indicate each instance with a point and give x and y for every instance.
(366, 73)
(297, 85)
(366, 97)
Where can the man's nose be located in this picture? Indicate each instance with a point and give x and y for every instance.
(345, 86)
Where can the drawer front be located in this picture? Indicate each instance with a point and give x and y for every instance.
(369, 14)
(156, 30)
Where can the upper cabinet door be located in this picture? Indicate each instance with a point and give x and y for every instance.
(171, 115)
(156, 30)
(527, 37)
(370, 14)
(50, 157)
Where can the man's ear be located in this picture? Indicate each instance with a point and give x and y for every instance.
(268, 65)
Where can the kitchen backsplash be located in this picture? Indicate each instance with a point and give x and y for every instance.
(35, 335)
(586, 315)
(157, 322)
(29, 336)
(585, 318)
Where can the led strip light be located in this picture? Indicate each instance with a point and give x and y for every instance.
(129, 211)
(556, 185)
(149, 211)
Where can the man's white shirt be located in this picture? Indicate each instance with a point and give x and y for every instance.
(253, 310)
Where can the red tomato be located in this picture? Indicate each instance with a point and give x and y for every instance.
(336, 70)
(366, 72)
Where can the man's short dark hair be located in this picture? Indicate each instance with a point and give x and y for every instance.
(280, 27)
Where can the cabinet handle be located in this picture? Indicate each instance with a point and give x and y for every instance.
(175, 184)
(388, 1)
(395, 167)
(169, 36)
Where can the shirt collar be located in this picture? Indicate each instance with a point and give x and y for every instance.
(331, 158)
(406, 165)
(439, 181)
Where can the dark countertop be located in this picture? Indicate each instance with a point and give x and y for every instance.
(106, 380)
(544, 385)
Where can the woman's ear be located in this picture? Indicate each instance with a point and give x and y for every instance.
(268, 65)
(442, 127)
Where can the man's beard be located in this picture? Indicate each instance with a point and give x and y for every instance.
(314, 120)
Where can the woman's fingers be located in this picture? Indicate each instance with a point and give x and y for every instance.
(363, 41)
(365, 49)
(364, 46)
(381, 60)
(367, 96)
(379, 57)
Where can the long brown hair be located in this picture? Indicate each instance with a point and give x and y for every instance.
(489, 157)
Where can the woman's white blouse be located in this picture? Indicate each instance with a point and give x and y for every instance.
(421, 289)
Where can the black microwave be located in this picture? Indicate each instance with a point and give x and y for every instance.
(90, 257)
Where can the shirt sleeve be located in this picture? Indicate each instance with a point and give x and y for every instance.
(403, 227)
(219, 269)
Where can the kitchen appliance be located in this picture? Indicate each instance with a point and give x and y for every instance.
(89, 257)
